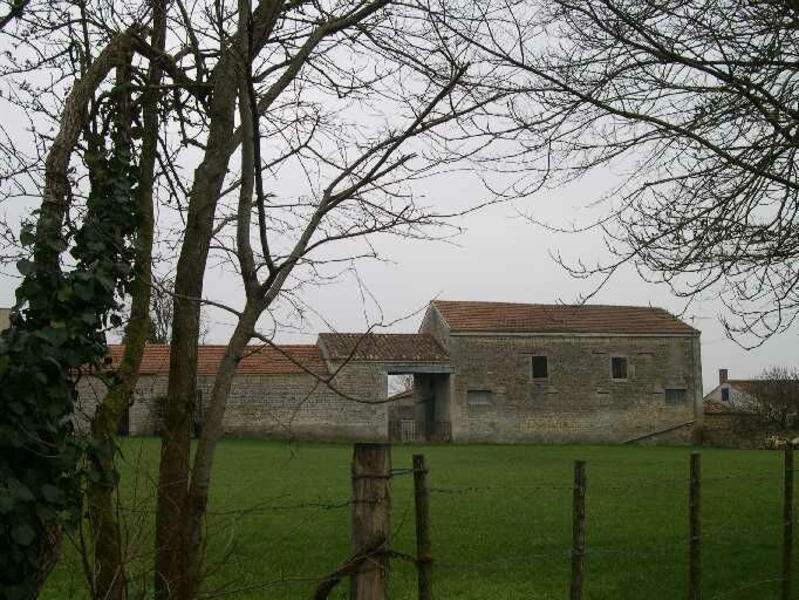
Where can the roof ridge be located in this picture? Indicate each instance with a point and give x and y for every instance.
(517, 317)
(365, 333)
(549, 304)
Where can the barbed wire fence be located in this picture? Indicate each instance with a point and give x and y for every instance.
(368, 566)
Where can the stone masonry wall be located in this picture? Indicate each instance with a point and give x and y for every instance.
(433, 324)
(144, 412)
(579, 401)
(274, 406)
(285, 406)
(740, 430)
(728, 430)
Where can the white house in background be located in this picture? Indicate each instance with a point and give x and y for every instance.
(740, 395)
(732, 393)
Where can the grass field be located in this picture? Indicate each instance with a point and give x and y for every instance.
(501, 521)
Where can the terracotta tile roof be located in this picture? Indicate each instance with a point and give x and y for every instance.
(559, 318)
(389, 347)
(753, 386)
(257, 360)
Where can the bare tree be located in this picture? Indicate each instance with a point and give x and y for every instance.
(356, 180)
(352, 99)
(774, 396)
(694, 101)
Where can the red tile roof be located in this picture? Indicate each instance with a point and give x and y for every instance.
(389, 347)
(257, 360)
(755, 386)
(559, 318)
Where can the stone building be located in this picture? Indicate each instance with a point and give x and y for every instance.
(277, 392)
(482, 371)
(556, 373)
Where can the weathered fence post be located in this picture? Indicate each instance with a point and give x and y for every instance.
(787, 521)
(694, 572)
(424, 561)
(371, 472)
(578, 531)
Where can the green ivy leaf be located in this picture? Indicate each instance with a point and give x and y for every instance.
(23, 534)
(25, 267)
(51, 493)
(26, 236)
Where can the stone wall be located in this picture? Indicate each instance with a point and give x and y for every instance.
(740, 430)
(727, 430)
(273, 406)
(435, 325)
(578, 401)
(299, 406)
(144, 412)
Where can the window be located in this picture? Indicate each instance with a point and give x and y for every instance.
(478, 397)
(675, 396)
(618, 367)
(725, 395)
(540, 370)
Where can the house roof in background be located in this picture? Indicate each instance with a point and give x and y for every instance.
(752, 386)
(384, 347)
(468, 316)
(257, 360)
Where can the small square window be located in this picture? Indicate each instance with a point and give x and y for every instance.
(676, 396)
(540, 370)
(478, 397)
(618, 367)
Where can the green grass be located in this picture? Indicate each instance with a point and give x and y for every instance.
(501, 521)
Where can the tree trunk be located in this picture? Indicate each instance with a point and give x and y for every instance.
(55, 205)
(204, 455)
(56, 197)
(109, 562)
(172, 539)
(171, 545)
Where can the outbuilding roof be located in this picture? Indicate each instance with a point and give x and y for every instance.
(506, 317)
(257, 360)
(385, 347)
(753, 387)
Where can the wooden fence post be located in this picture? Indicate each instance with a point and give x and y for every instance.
(371, 505)
(424, 560)
(694, 572)
(578, 531)
(787, 521)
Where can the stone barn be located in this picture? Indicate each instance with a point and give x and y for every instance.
(558, 373)
(482, 372)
